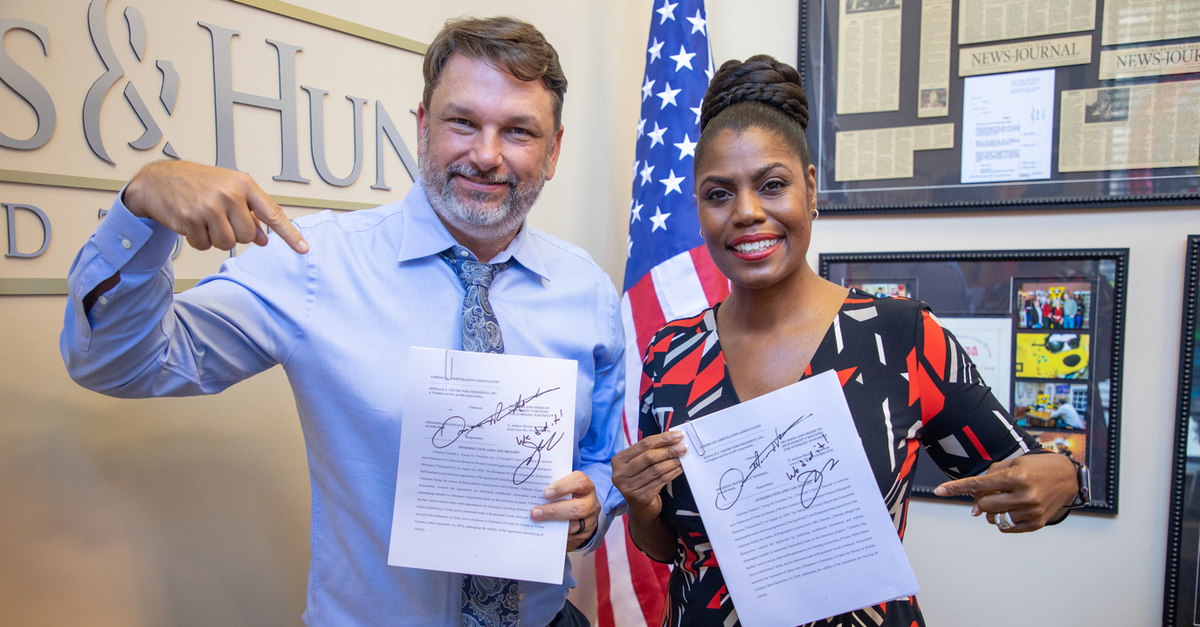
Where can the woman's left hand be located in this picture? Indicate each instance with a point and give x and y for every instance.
(1031, 489)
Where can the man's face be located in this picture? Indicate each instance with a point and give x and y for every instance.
(488, 143)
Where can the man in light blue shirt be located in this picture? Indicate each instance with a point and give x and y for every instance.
(340, 308)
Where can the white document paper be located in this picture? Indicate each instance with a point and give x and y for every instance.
(792, 507)
(1008, 122)
(988, 342)
(483, 436)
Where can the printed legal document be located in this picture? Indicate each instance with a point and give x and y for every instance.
(483, 436)
(792, 507)
(1008, 123)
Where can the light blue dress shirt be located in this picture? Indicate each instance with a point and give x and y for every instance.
(340, 320)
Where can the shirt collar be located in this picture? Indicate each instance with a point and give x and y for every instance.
(425, 235)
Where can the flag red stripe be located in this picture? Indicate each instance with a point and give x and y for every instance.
(647, 312)
(604, 601)
(649, 580)
(716, 286)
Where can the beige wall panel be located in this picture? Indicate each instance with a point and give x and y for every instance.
(143, 512)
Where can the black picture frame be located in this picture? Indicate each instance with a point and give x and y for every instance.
(936, 181)
(1181, 592)
(982, 286)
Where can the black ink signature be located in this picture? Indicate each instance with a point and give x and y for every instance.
(811, 479)
(526, 468)
(728, 495)
(456, 426)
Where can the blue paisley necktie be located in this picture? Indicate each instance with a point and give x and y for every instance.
(486, 601)
(480, 329)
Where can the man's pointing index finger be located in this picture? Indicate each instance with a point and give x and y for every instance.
(270, 213)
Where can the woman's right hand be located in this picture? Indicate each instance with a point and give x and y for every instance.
(641, 471)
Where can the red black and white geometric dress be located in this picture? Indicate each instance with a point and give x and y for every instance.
(908, 384)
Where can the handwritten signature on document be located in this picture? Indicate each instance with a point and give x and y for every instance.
(456, 426)
(729, 488)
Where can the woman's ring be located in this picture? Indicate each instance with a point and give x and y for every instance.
(1004, 521)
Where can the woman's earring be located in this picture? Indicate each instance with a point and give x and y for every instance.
(701, 233)
(816, 213)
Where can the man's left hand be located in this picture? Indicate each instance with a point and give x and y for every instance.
(1031, 489)
(581, 511)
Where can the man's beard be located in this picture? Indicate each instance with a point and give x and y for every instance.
(474, 215)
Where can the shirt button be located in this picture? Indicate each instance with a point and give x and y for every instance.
(126, 244)
(463, 253)
(103, 300)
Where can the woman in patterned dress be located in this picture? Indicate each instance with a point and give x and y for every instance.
(905, 378)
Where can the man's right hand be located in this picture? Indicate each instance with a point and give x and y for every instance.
(207, 205)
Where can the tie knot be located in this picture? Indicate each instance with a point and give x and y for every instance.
(473, 273)
(480, 328)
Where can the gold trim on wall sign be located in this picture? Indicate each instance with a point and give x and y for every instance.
(112, 185)
(60, 180)
(337, 24)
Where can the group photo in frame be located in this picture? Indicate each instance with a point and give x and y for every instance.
(1181, 592)
(952, 105)
(1045, 330)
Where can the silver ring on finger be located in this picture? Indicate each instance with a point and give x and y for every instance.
(1004, 521)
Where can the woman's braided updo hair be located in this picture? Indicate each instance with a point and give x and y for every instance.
(760, 92)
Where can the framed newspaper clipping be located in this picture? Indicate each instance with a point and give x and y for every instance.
(1181, 596)
(1044, 329)
(920, 105)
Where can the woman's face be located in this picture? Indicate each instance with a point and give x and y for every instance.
(756, 201)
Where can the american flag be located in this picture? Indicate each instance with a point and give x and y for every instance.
(668, 273)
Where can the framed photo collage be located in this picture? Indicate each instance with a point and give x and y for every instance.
(1044, 329)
